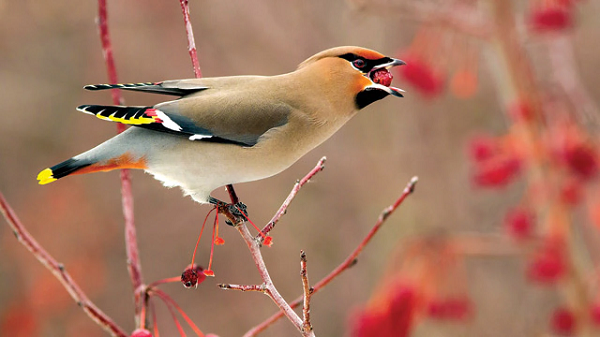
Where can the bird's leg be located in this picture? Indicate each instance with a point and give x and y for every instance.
(234, 212)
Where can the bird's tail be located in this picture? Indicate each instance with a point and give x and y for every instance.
(85, 163)
(63, 169)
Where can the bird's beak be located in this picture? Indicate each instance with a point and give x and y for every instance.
(393, 63)
(387, 66)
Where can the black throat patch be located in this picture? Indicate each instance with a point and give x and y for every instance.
(368, 96)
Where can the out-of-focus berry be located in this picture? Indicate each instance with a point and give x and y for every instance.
(519, 223)
(563, 321)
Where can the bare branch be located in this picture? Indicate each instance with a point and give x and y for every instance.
(462, 18)
(270, 289)
(348, 262)
(185, 9)
(308, 291)
(133, 261)
(190, 36)
(253, 287)
(58, 270)
(283, 209)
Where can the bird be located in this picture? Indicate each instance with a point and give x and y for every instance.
(228, 130)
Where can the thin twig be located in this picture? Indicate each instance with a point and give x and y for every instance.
(190, 36)
(163, 281)
(348, 262)
(133, 261)
(270, 289)
(283, 209)
(252, 287)
(308, 291)
(171, 303)
(185, 9)
(58, 270)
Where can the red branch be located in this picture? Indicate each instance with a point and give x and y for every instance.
(283, 209)
(172, 304)
(185, 9)
(190, 35)
(133, 261)
(349, 262)
(58, 270)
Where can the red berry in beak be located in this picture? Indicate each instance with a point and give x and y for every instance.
(382, 76)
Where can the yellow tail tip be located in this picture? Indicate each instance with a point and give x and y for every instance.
(45, 177)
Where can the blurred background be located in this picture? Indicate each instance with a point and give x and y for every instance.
(499, 122)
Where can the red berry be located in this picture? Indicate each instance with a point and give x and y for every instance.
(455, 309)
(520, 223)
(581, 159)
(548, 266)
(382, 76)
(551, 19)
(192, 276)
(422, 76)
(483, 147)
(563, 321)
(392, 318)
(497, 173)
(595, 313)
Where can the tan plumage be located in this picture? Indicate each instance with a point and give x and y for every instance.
(228, 130)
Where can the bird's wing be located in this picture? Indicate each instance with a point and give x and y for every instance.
(242, 124)
(172, 87)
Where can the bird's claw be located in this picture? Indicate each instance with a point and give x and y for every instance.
(235, 213)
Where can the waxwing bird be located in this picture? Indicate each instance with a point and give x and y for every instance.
(227, 130)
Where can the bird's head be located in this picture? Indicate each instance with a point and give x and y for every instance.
(364, 72)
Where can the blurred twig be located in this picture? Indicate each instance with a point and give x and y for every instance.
(58, 270)
(444, 14)
(133, 261)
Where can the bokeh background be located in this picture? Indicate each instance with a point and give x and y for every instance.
(50, 49)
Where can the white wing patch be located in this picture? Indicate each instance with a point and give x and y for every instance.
(198, 137)
(167, 122)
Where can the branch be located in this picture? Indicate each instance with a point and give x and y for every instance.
(185, 9)
(133, 261)
(349, 262)
(190, 36)
(253, 287)
(58, 270)
(463, 18)
(308, 291)
(283, 209)
(270, 289)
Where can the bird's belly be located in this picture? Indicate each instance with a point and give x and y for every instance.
(201, 167)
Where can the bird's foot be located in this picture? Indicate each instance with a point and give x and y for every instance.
(235, 213)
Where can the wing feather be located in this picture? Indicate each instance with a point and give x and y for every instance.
(174, 87)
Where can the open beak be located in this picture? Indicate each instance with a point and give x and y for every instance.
(387, 66)
(395, 62)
